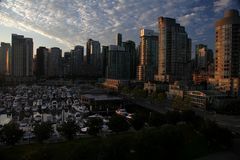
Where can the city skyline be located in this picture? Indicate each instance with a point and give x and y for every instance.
(66, 24)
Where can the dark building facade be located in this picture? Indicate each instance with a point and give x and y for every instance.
(105, 50)
(118, 65)
(174, 58)
(130, 48)
(77, 56)
(22, 56)
(42, 62)
(204, 57)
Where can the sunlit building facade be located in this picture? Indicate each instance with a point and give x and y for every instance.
(227, 61)
(5, 59)
(148, 51)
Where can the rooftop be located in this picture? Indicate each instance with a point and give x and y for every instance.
(102, 97)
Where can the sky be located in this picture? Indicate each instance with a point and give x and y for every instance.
(66, 23)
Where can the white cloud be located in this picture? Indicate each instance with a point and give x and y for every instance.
(187, 19)
(220, 5)
(71, 22)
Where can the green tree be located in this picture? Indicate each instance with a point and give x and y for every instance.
(173, 117)
(43, 131)
(139, 92)
(11, 134)
(95, 125)
(125, 90)
(188, 116)
(181, 104)
(137, 121)
(157, 119)
(68, 129)
(217, 136)
(118, 124)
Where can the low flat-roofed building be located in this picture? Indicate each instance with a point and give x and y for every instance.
(178, 89)
(204, 99)
(115, 84)
(101, 102)
(156, 87)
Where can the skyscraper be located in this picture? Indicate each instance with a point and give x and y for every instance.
(130, 48)
(174, 51)
(227, 62)
(93, 52)
(42, 62)
(77, 56)
(119, 39)
(67, 64)
(105, 50)
(148, 55)
(22, 56)
(204, 57)
(55, 62)
(118, 63)
(5, 59)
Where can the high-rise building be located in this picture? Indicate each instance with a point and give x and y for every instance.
(77, 56)
(42, 62)
(105, 50)
(67, 64)
(5, 59)
(148, 51)
(130, 48)
(118, 63)
(55, 62)
(93, 52)
(227, 58)
(119, 39)
(174, 51)
(203, 58)
(22, 56)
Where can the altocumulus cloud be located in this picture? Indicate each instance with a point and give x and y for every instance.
(72, 22)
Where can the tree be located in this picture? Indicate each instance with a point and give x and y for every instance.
(11, 134)
(139, 92)
(138, 121)
(125, 90)
(173, 117)
(68, 129)
(188, 116)
(94, 124)
(43, 131)
(157, 119)
(118, 124)
(158, 97)
(216, 135)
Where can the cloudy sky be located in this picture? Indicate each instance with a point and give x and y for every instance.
(65, 23)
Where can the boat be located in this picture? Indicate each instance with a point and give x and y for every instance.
(121, 111)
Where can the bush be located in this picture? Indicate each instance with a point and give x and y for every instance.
(95, 125)
(217, 136)
(11, 134)
(157, 119)
(43, 131)
(118, 124)
(137, 121)
(173, 117)
(68, 129)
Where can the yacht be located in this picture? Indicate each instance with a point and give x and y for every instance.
(37, 117)
(121, 111)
